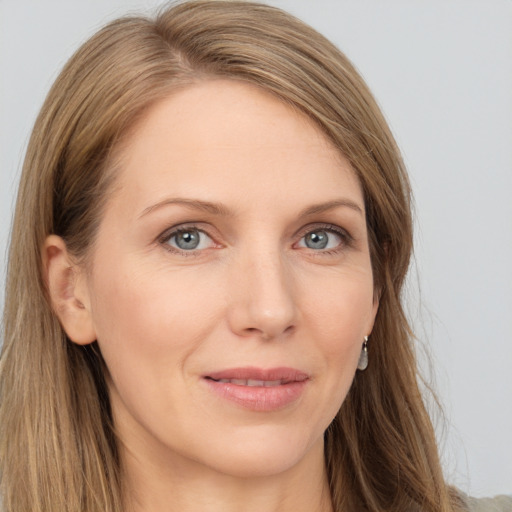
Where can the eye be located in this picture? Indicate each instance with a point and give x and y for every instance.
(323, 239)
(188, 239)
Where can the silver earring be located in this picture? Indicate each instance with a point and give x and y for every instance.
(363, 357)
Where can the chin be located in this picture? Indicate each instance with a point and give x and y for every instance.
(249, 455)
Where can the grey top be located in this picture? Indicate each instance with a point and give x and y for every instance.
(497, 504)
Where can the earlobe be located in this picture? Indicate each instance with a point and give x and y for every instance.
(67, 290)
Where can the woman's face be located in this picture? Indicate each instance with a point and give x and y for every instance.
(231, 284)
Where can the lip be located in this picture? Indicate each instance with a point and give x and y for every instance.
(269, 390)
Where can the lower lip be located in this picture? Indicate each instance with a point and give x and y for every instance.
(259, 398)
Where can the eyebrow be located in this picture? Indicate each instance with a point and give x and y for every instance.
(331, 205)
(221, 210)
(193, 204)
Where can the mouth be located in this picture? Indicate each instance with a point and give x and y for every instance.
(253, 383)
(258, 389)
(252, 376)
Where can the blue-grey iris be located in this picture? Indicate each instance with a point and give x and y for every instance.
(317, 240)
(187, 240)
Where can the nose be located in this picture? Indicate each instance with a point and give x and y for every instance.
(262, 299)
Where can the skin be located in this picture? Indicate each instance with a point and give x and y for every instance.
(253, 293)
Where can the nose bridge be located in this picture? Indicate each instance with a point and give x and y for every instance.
(263, 299)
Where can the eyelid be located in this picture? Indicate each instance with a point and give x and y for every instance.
(166, 235)
(346, 237)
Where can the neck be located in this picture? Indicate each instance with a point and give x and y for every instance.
(186, 486)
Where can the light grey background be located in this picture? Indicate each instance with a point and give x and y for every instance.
(442, 72)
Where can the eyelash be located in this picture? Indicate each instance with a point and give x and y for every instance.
(168, 235)
(346, 239)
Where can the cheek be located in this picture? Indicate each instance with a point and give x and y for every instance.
(150, 320)
(341, 309)
(338, 318)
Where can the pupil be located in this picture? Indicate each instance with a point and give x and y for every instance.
(187, 240)
(317, 240)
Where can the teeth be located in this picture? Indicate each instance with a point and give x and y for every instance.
(252, 382)
(255, 382)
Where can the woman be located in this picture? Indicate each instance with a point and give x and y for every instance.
(219, 230)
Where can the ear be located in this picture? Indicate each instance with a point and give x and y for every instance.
(67, 288)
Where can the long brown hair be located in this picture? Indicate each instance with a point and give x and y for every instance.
(58, 448)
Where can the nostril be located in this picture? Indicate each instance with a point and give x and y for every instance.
(268, 334)
(263, 312)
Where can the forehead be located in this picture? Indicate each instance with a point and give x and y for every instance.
(223, 139)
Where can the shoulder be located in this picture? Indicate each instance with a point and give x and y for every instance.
(497, 504)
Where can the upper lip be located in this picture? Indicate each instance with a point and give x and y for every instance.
(283, 374)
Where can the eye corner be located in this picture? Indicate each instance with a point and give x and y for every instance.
(189, 240)
(321, 239)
